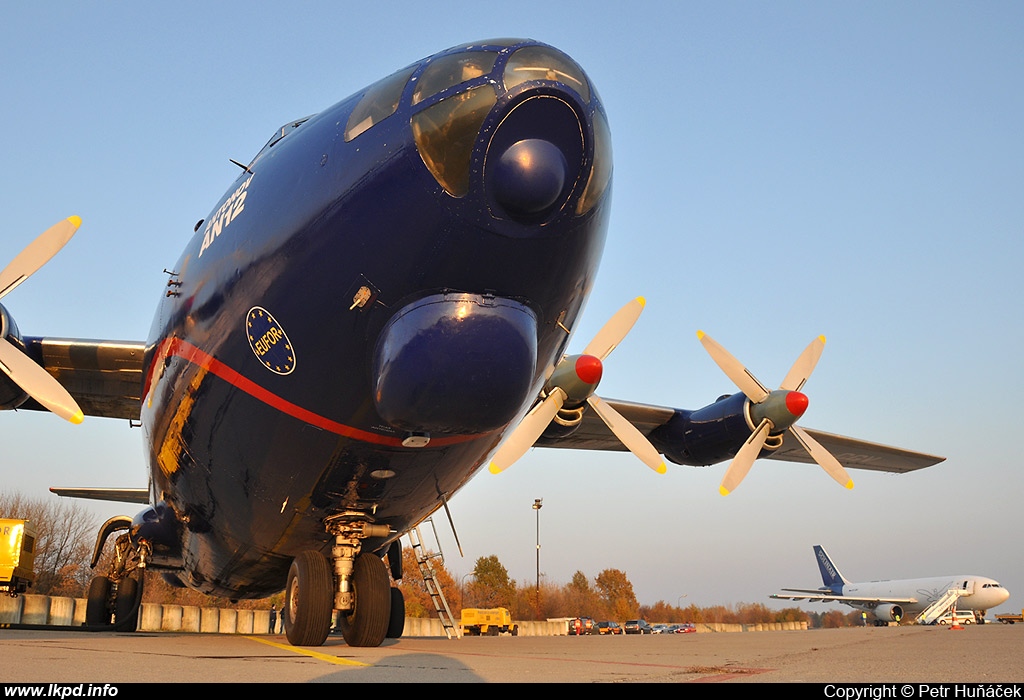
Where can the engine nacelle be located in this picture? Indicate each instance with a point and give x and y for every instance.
(11, 395)
(706, 436)
(890, 612)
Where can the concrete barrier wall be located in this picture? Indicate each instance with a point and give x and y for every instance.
(10, 609)
(46, 610)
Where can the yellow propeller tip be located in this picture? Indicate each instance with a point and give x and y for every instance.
(722, 490)
(76, 221)
(849, 484)
(77, 418)
(822, 339)
(700, 334)
(494, 468)
(662, 469)
(642, 301)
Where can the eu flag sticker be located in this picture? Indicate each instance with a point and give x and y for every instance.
(269, 342)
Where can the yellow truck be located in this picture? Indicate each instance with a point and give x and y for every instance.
(487, 622)
(17, 555)
(1011, 618)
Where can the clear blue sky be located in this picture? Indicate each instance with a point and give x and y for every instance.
(782, 170)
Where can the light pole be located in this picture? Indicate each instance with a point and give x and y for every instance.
(462, 588)
(537, 504)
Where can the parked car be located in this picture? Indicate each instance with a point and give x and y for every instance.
(684, 628)
(583, 625)
(609, 628)
(638, 627)
(962, 617)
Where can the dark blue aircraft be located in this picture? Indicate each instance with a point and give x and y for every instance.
(361, 324)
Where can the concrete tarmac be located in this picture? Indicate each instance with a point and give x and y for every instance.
(990, 653)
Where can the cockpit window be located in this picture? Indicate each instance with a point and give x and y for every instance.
(446, 132)
(379, 102)
(451, 70)
(281, 133)
(545, 63)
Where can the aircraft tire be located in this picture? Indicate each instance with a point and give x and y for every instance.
(126, 606)
(396, 625)
(309, 599)
(96, 610)
(367, 624)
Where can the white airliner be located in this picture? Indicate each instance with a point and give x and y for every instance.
(892, 600)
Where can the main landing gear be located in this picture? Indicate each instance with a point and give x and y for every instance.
(114, 599)
(355, 583)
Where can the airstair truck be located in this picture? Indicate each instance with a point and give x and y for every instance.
(17, 555)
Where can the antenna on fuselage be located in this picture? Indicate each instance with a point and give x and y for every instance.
(243, 167)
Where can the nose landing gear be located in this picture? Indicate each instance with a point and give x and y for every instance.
(358, 588)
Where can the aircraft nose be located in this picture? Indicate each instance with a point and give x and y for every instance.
(529, 177)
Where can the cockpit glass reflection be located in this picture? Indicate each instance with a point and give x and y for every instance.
(544, 63)
(446, 132)
(452, 70)
(379, 102)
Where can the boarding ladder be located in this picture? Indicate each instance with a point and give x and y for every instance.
(940, 607)
(423, 559)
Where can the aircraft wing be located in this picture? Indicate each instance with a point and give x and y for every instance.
(103, 376)
(99, 494)
(857, 454)
(826, 596)
(593, 434)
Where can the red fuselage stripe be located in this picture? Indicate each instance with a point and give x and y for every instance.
(190, 353)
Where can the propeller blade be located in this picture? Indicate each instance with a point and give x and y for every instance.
(526, 433)
(625, 431)
(38, 383)
(612, 333)
(744, 459)
(822, 456)
(37, 253)
(734, 369)
(804, 365)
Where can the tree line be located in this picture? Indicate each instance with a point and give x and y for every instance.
(608, 596)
